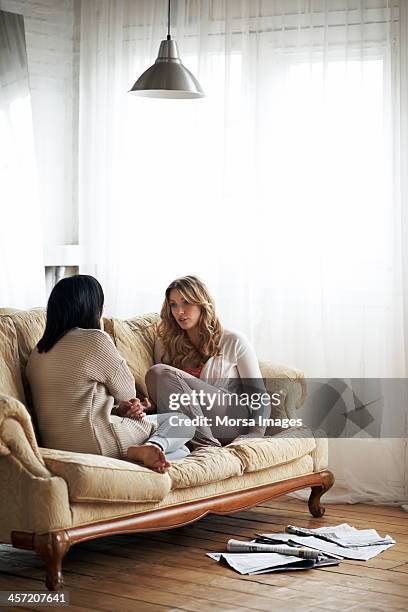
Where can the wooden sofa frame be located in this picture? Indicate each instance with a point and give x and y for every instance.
(51, 547)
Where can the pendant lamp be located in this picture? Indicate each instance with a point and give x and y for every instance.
(168, 77)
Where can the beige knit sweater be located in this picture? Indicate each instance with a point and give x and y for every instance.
(74, 387)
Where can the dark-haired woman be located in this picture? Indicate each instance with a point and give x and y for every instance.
(76, 376)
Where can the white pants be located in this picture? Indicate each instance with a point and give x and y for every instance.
(174, 448)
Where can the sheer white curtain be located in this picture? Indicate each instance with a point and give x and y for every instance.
(22, 282)
(283, 189)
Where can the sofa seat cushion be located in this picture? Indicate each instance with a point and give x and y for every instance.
(103, 479)
(91, 512)
(261, 453)
(204, 466)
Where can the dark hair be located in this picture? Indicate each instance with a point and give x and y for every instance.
(75, 301)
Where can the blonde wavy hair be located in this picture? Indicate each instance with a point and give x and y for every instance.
(179, 351)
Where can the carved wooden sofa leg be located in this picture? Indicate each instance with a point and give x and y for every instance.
(315, 508)
(51, 548)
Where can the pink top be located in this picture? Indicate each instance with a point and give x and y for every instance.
(194, 371)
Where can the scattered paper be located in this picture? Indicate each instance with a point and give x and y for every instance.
(344, 535)
(239, 546)
(251, 563)
(302, 549)
(342, 541)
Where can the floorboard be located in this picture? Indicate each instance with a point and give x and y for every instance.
(169, 571)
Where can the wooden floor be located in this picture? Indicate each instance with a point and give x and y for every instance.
(169, 570)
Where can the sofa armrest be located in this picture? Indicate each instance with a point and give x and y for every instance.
(17, 436)
(31, 498)
(320, 454)
(289, 383)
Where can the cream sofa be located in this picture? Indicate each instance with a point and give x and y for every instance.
(51, 499)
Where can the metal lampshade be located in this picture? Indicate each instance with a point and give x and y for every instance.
(168, 78)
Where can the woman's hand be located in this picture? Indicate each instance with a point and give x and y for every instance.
(132, 409)
(147, 405)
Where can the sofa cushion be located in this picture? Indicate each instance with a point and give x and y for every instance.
(91, 513)
(29, 325)
(289, 383)
(134, 339)
(10, 375)
(261, 453)
(203, 466)
(98, 478)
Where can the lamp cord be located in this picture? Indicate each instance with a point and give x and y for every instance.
(168, 21)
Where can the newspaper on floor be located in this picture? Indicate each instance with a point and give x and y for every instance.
(258, 558)
(262, 563)
(341, 542)
(343, 535)
(241, 546)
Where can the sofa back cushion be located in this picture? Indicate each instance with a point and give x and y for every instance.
(10, 374)
(134, 339)
(29, 326)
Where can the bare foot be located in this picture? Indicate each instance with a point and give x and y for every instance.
(149, 455)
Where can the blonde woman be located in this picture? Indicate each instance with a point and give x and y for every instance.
(206, 365)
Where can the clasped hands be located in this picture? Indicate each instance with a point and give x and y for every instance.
(134, 408)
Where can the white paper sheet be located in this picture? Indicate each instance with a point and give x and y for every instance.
(248, 563)
(355, 544)
(345, 535)
(240, 546)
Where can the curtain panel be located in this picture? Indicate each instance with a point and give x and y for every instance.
(22, 281)
(284, 189)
